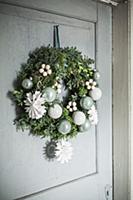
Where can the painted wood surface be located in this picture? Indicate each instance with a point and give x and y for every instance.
(120, 101)
(23, 169)
(86, 10)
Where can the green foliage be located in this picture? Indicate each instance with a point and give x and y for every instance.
(68, 65)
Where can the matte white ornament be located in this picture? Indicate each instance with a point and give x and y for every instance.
(34, 105)
(96, 94)
(79, 118)
(55, 111)
(64, 151)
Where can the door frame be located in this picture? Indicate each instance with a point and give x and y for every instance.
(122, 98)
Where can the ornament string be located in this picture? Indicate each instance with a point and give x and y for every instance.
(56, 40)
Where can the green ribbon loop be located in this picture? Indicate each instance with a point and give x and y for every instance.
(56, 41)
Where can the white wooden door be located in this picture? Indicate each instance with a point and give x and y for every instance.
(24, 172)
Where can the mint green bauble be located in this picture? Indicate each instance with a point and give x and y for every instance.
(86, 126)
(86, 102)
(49, 94)
(64, 127)
(27, 84)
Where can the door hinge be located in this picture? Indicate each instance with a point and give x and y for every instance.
(108, 192)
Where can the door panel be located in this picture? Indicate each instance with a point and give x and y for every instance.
(23, 169)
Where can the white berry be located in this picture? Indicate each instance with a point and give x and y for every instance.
(41, 70)
(49, 71)
(47, 67)
(45, 74)
(43, 66)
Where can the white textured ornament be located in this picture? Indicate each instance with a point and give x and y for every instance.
(93, 115)
(64, 151)
(34, 105)
(79, 118)
(55, 111)
(96, 94)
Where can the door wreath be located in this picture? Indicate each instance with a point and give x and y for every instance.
(55, 95)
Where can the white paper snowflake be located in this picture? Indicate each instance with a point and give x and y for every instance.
(64, 151)
(34, 105)
(93, 115)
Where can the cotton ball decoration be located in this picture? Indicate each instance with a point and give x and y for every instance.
(96, 94)
(85, 126)
(49, 94)
(97, 75)
(27, 84)
(64, 127)
(55, 111)
(79, 118)
(86, 102)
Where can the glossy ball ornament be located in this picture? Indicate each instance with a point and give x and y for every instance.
(86, 126)
(64, 127)
(86, 102)
(96, 94)
(27, 84)
(49, 94)
(97, 75)
(55, 111)
(79, 118)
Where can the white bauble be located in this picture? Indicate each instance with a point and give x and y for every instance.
(55, 111)
(96, 93)
(79, 118)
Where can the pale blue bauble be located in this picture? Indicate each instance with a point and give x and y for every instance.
(64, 127)
(55, 111)
(27, 84)
(86, 126)
(49, 94)
(79, 118)
(96, 94)
(86, 102)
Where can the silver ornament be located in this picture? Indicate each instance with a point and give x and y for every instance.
(96, 94)
(85, 126)
(86, 102)
(97, 75)
(64, 127)
(49, 94)
(79, 118)
(55, 111)
(27, 84)
(49, 150)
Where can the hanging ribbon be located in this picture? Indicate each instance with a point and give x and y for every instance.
(56, 41)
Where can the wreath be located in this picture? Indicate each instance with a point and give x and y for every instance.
(55, 94)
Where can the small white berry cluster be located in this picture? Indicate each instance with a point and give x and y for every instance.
(45, 70)
(57, 86)
(91, 84)
(72, 106)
